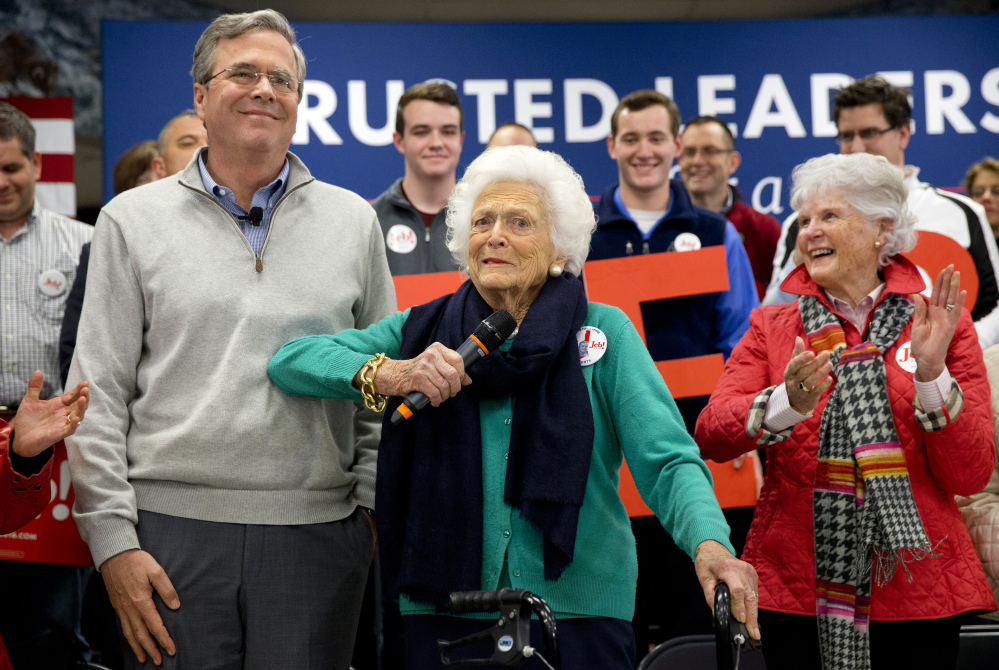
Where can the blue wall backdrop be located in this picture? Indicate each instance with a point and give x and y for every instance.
(772, 79)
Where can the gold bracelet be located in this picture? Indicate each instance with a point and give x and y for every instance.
(372, 399)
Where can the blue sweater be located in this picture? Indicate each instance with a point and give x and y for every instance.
(634, 417)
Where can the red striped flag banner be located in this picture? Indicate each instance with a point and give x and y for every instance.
(55, 139)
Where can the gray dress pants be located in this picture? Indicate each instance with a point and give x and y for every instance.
(259, 597)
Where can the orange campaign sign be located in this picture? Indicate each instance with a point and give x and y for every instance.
(51, 537)
(411, 290)
(629, 281)
(626, 283)
(934, 252)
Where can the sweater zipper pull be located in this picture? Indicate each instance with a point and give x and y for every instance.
(259, 264)
(645, 247)
(426, 236)
(628, 249)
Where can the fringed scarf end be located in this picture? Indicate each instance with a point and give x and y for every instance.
(885, 562)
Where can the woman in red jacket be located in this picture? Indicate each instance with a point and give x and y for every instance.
(26, 456)
(873, 406)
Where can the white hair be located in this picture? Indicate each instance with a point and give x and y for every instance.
(566, 207)
(870, 185)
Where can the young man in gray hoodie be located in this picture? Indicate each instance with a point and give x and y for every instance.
(228, 518)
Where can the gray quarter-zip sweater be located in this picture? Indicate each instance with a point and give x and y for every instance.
(179, 322)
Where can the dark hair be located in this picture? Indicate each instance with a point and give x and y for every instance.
(133, 164)
(434, 92)
(639, 100)
(15, 124)
(875, 90)
(705, 120)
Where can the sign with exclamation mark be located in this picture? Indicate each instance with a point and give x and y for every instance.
(51, 537)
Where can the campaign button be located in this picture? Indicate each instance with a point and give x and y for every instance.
(686, 242)
(903, 356)
(52, 283)
(592, 345)
(400, 239)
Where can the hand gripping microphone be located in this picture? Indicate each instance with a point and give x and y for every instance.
(488, 335)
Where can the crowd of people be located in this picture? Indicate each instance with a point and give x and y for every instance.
(230, 329)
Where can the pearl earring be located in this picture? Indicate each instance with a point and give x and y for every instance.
(555, 270)
(877, 244)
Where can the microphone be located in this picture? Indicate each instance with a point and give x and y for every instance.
(255, 216)
(488, 335)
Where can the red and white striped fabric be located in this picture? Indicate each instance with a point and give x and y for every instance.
(55, 139)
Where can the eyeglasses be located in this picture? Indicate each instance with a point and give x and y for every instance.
(281, 82)
(979, 191)
(867, 134)
(708, 152)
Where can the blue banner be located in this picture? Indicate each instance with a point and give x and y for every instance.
(773, 80)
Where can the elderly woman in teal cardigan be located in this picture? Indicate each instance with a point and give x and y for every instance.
(512, 480)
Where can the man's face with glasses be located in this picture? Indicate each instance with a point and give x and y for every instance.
(251, 101)
(865, 129)
(706, 161)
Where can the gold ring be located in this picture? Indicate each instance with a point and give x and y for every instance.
(804, 388)
(69, 419)
(753, 596)
(949, 306)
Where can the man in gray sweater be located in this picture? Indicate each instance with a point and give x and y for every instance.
(228, 519)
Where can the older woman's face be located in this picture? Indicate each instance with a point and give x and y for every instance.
(837, 245)
(510, 247)
(985, 191)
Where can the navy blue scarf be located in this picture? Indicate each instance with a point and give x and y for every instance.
(429, 485)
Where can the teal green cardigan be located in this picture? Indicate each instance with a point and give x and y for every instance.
(634, 416)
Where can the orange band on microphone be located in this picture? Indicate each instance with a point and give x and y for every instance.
(481, 346)
(405, 411)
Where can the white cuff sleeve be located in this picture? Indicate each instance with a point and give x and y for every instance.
(780, 415)
(931, 394)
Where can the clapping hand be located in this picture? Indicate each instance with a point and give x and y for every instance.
(39, 424)
(806, 377)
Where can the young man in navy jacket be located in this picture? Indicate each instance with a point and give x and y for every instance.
(647, 212)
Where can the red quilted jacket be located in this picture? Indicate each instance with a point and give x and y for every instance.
(21, 500)
(956, 459)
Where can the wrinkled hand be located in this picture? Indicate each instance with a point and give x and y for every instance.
(805, 367)
(933, 325)
(39, 424)
(131, 577)
(438, 372)
(715, 563)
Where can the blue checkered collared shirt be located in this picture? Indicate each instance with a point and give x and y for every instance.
(265, 198)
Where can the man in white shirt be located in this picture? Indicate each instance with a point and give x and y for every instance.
(873, 116)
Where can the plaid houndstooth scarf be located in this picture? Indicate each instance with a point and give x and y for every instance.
(865, 519)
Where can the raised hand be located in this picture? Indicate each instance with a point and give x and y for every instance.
(39, 424)
(806, 377)
(934, 323)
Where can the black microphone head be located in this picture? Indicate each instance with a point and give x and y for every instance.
(494, 330)
(256, 215)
